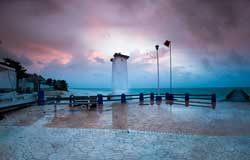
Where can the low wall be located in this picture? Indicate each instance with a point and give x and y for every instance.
(13, 99)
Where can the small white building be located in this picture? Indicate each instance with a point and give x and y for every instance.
(119, 73)
(7, 79)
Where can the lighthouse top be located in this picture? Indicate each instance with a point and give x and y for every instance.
(119, 55)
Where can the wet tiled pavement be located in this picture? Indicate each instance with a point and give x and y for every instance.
(127, 132)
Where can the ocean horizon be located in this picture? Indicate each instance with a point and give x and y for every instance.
(220, 92)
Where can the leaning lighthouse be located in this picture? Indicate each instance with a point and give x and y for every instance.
(119, 73)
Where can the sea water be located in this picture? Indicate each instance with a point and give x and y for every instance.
(220, 92)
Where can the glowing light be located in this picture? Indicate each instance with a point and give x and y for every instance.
(117, 41)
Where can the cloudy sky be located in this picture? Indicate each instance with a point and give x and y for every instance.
(75, 39)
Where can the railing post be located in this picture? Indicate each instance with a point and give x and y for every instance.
(141, 98)
(71, 100)
(58, 99)
(167, 97)
(55, 103)
(109, 97)
(171, 99)
(213, 100)
(40, 97)
(99, 99)
(152, 97)
(158, 99)
(186, 99)
(123, 98)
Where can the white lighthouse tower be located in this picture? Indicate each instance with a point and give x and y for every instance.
(119, 73)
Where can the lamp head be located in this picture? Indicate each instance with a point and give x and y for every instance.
(157, 47)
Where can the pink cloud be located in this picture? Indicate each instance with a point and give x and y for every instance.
(97, 56)
(43, 55)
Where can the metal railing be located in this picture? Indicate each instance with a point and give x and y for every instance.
(203, 100)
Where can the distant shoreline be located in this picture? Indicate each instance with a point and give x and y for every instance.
(161, 88)
(220, 92)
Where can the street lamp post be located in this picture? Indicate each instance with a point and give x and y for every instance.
(158, 76)
(170, 69)
(169, 44)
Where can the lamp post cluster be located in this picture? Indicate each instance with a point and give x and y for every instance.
(167, 44)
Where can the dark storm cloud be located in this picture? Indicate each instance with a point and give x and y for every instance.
(25, 60)
(36, 21)
(39, 32)
(231, 59)
(5, 53)
(238, 59)
(22, 59)
(194, 23)
(100, 60)
(32, 7)
(212, 21)
(61, 35)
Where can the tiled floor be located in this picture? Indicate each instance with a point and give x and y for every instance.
(127, 132)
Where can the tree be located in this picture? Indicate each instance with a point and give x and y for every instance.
(49, 82)
(60, 85)
(64, 85)
(20, 70)
(54, 83)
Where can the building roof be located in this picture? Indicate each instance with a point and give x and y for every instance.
(119, 55)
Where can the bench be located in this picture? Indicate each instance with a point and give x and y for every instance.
(88, 101)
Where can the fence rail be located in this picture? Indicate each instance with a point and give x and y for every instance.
(184, 99)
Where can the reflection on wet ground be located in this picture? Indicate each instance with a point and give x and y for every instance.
(117, 131)
(227, 119)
